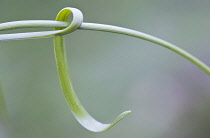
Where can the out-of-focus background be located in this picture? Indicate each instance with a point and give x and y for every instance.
(169, 96)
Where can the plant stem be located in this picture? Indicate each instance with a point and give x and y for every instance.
(79, 112)
(133, 33)
(62, 27)
(95, 27)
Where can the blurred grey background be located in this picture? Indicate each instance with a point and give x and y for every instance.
(169, 96)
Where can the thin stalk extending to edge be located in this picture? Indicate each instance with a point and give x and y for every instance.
(95, 27)
(133, 33)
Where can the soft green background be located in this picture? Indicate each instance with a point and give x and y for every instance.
(169, 96)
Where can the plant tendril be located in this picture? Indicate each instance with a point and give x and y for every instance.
(62, 27)
(76, 107)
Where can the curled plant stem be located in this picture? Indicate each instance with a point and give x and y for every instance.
(62, 27)
(74, 104)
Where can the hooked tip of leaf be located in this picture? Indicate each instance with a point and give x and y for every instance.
(95, 126)
(119, 118)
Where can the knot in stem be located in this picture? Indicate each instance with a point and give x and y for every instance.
(76, 22)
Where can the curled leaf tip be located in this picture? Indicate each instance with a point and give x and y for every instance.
(93, 125)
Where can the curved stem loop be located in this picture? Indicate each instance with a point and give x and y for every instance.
(76, 22)
(74, 104)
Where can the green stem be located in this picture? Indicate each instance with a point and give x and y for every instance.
(73, 102)
(91, 26)
(63, 27)
(137, 34)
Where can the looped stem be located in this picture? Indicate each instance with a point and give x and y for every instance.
(74, 104)
(76, 22)
(77, 109)
(62, 16)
